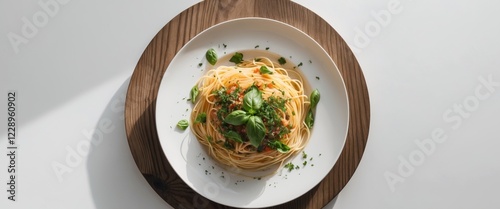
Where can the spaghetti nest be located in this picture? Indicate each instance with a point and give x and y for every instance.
(250, 116)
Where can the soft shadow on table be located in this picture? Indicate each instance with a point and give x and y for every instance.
(114, 178)
(331, 204)
(59, 85)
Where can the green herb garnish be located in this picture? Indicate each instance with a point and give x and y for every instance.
(309, 118)
(201, 118)
(194, 93)
(265, 70)
(248, 117)
(211, 56)
(278, 145)
(228, 145)
(233, 136)
(237, 58)
(314, 98)
(282, 60)
(237, 117)
(256, 130)
(290, 166)
(252, 101)
(183, 124)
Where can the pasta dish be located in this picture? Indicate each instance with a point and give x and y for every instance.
(252, 115)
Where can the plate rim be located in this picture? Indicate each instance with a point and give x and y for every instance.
(323, 51)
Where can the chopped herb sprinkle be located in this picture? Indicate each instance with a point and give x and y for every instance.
(237, 58)
(282, 60)
(290, 166)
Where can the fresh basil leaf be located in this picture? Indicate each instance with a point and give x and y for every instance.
(265, 70)
(194, 93)
(237, 117)
(255, 130)
(201, 118)
(233, 135)
(279, 146)
(237, 58)
(183, 124)
(314, 98)
(282, 60)
(252, 101)
(309, 118)
(211, 56)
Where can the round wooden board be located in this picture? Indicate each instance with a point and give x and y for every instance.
(145, 81)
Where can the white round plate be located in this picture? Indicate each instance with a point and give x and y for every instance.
(253, 37)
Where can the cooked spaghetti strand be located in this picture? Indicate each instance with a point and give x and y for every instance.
(222, 91)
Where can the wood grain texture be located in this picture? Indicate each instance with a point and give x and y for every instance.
(145, 82)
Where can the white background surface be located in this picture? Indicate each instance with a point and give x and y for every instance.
(425, 62)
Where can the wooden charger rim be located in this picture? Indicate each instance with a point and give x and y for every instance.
(145, 81)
